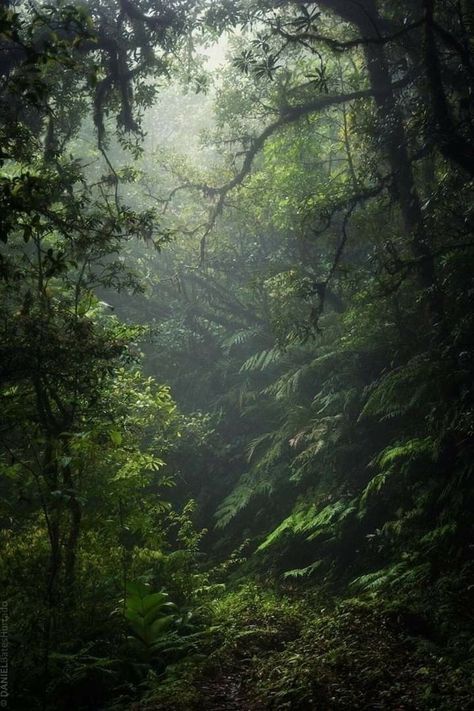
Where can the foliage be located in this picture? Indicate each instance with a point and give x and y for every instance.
(150, 615)
(295, 653)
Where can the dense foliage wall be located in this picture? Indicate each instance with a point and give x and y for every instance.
(325, 323)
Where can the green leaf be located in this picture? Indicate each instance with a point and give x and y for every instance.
(116, 437)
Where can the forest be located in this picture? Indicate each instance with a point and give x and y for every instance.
(236, 355)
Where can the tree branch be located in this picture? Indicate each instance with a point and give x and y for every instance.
(288, 115)
(341, 46)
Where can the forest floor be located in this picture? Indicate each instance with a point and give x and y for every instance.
(273, 652)
(226, 692)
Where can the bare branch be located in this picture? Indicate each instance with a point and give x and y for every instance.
(305, 38)
(288, 115)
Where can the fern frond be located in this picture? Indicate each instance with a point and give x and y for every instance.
(303, 572)
(257, 442)
(310, 522)
(393, 576)
(238, 338)
(240, 497)
(402, 390)
(262, 360)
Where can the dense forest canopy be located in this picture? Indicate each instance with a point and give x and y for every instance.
(236, 354)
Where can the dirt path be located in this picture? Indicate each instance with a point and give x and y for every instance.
(226, 693)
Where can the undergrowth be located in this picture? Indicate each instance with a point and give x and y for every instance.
(287, 651)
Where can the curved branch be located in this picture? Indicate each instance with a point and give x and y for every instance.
(340, 45)
(288, 115)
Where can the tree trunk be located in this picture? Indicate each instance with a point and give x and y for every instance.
(453, 146)
(370, 24)
(75, 515)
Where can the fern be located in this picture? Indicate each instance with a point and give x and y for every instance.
(438, 535)
(310, 522)
(402, 390)
(312, 441)
(411, 449)
(256, 443)
(238, 338)
(262, 360)
(398, 458)
(246, 490)
(397, 576)
(287, 385)
(237, 500)
(330, 517)
(303, 572)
